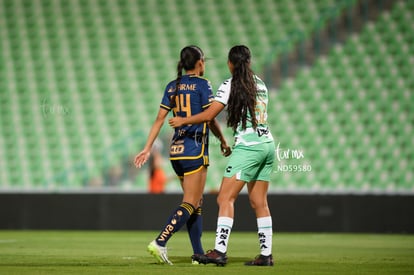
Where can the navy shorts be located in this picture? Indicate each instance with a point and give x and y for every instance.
(189, 154)
(184, 167)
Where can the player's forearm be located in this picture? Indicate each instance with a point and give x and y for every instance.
(207, 115)
(197, 119)
(153, 134)
(216, 129)
(155, 130)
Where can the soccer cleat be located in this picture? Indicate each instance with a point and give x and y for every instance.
(215, 257)
(159, 252)
(261, 260)
(195, 259)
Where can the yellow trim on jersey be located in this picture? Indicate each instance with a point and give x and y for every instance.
(168, 108)
(202, 148)
(205, 106)
(197, 76)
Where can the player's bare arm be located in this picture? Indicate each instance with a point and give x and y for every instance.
(144, 155)
(215, 128)
(205, 116)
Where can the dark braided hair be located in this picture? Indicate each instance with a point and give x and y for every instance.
(243, 91)
(188, 58)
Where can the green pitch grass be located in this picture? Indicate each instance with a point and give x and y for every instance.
(124, 252)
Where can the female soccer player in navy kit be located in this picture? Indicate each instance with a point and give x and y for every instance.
(187, 95)
(251, 162)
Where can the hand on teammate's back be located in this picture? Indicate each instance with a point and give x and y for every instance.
(176, 122)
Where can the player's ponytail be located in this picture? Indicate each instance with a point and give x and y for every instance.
(242, 100)
(188, 59)
(177, 81)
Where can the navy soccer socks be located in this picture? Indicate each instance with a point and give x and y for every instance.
(177, 219)
(195, 228)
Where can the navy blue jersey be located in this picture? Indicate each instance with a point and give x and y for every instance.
(193, 96)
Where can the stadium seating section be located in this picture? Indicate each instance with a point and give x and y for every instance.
(81, 82)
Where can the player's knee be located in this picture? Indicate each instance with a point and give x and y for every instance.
(258, 204)
(224, 200)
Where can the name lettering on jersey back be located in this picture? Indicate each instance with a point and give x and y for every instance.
(184, 87)
(189, 87)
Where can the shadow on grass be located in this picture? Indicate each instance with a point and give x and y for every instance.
(231, 261)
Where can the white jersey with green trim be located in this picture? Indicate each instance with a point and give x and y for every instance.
(249, 136)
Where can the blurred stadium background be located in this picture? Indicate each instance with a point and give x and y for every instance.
(81, 82)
